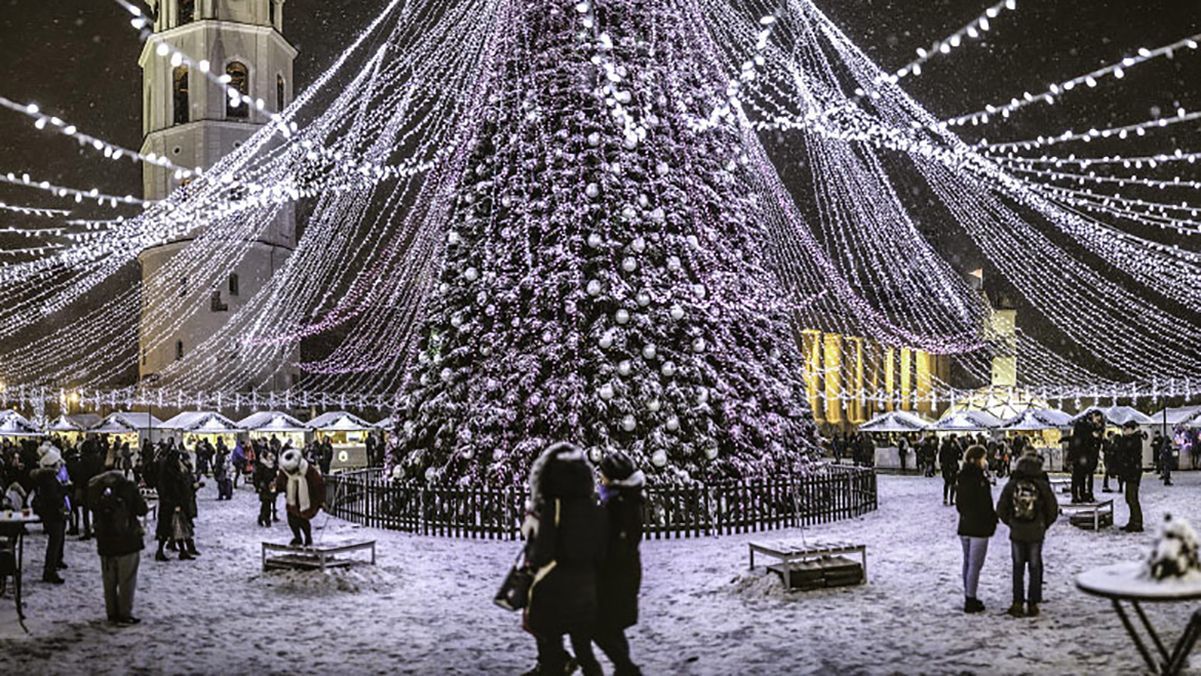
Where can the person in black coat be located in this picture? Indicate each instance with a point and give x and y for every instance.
(977, 522)
(51, 505)
(948, 459)
(620, 576)
(1085, 452)
(118, 503)
(564, 552)
(1128, 460)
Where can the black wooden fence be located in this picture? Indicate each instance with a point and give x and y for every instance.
(827, 494)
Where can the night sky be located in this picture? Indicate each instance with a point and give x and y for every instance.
(78, 59)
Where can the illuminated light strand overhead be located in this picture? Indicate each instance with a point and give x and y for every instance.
(111, 151)
(1089, 80)
(34, 211)
(25, 181)
(1122, 132)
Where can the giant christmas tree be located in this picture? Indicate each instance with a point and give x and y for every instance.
(604, 279)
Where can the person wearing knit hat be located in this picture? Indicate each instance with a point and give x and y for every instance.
(304, 491)
(52, 508)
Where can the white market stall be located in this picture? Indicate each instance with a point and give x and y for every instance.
(967, 421)
(267, 424)
(13, 424)
(348, 434)
(195, 426)
(1183, 416)
(1044, 427)
(894, 422)
(66, 428)
(130, 426)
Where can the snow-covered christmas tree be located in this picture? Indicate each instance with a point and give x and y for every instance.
(605, 279)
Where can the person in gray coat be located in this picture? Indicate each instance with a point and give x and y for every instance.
(1028, 506)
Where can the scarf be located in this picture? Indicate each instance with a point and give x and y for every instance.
(298, 487)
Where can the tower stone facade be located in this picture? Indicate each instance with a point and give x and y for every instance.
(190, 120)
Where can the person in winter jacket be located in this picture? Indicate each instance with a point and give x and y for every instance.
(977, 522)
(620, 575)
(563, 550)
(264, 484)
(52, 506)
(1084, 453)
(221, 472)
(118, 504)
(238, 459)
(177, 504)
(1028, 506)
(948, 459)
(304, 494)
(1128, 452)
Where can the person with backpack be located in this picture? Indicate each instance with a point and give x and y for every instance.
(977, 522)
(1128, 451)
(948, 460)
(1027, 505)
(619, 578)
(117, 506)
(563, 550)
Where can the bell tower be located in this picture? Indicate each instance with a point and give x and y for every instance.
(189, 119)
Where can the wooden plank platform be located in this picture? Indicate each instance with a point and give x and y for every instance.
(317, 557)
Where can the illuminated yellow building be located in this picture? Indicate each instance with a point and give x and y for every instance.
(849, 379)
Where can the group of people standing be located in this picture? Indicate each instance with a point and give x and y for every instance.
(582, 551)
(1123, 455)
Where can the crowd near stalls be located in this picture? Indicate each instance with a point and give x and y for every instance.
(902, 440)
(348, 434)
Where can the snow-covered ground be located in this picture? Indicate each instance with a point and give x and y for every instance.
(426, 607)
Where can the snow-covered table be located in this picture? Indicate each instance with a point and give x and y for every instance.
(1095, 509)
(1124, 582)
(789, 553)
(12, 536)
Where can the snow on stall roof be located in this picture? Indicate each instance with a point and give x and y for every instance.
(967, 421)
(64, 424)
(13, 424)
(1035, 419)
(1118, 415)
(1189, 416)
(201, 421)
(387, 423)
(271, 421)
(339, 421)
(895, 421)
(125, 422)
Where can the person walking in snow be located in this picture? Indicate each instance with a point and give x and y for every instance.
(1027, 505)
(177, 500)
(221, 472)
(1128, 452)
(51, 503)
(264, 485)
(977, 522)
(304, 494)
(948, 459)
(563, 550)
(619, 578)
(118, 504)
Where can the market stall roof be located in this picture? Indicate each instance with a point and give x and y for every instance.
(64, 424)
(271, 421)
(1118, 415)
(967, 421)
(127, 422)
(1004, 403)
(339, 421)
(13, 424)
(1189, 416)
(895, 421)
(386, 424)
(1035, 419)
(202, 422)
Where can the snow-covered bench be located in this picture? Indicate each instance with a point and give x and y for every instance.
(1081, 513)
(811, 559)
(314, 557)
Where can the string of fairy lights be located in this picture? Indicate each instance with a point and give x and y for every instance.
(376, 147)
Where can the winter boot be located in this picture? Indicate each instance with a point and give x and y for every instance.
(971, 605)
(1016, 610)
(160, 555)
(1032, 611)
(184, 555)
(191, 546)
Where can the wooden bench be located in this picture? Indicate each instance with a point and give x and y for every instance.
(795, 556)
(315, 557)
(1101, 512)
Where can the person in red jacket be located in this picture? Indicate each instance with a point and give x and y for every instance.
(304, 492)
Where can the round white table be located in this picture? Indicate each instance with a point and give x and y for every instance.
(1125, 583)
